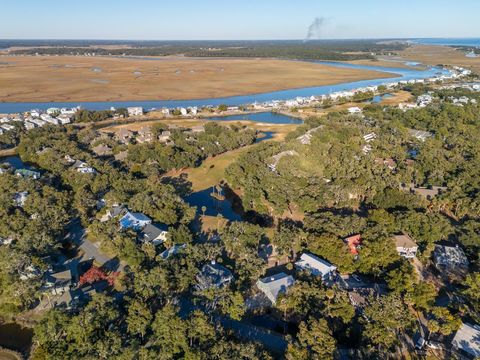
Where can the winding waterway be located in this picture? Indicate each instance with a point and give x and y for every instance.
(403, 74)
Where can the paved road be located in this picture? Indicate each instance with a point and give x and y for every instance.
(90, 249)
(273, 341)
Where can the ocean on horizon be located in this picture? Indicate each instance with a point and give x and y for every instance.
(474, 42)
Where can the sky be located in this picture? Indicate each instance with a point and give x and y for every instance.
(236, 19)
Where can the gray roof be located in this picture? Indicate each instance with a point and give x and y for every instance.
(274, 285)
(449, 257)
(213, 275)
(150, 232)
(175, 249)
(467, 339)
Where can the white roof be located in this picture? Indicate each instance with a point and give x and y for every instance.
(467, 339)
(314, 262)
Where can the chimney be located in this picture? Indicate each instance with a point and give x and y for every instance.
(213, 262)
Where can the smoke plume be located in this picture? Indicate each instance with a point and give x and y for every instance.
(315, 28)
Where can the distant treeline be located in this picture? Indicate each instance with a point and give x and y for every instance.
(315, 50)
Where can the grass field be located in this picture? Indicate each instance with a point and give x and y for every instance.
(70, 78)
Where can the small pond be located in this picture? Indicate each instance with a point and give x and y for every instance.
(263, 117)
(222, 202)
(15, 337)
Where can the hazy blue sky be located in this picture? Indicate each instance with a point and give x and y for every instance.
(241, 19)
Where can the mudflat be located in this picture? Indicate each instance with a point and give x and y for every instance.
(75, 78)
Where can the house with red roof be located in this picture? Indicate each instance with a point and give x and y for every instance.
(353, 243)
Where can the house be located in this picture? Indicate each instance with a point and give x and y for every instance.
(135, 111)
(197, 129)
(273, 286)
(35, 113)
(213, 275)
(29, 125)
(83, 168)
(467, 340)
(134, 221)
(450, 260)
(19, 198)
(102, 150)
(64, 119)
(38, 122)
(389, 163)
(316, 266)
(52, 111)
(164, 136)
(28, 173)
(6, 241)
(7, 127)
(369, 137)
(121, 156)
(155, 234)
(419, 134)
(406, 246)
(175, 249)
(29, 272)
(144, 135)
(354, 110)
(353, 242)
(57, 282)
(124, 136)
(49, 119)
(272, 165)
(306, 138)
(113, 212)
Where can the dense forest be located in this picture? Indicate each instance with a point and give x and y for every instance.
(314, 50)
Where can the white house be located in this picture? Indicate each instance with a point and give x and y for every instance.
(135, 111)
(35, 113)
(369, 137)
(406, 246)
(183, 111)
(64, 119)
(134, 220)
(354, 110)
(316, 266)
(83, 168)
(420, 134)
(38, 122)
(52, 111)
(275, 285)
